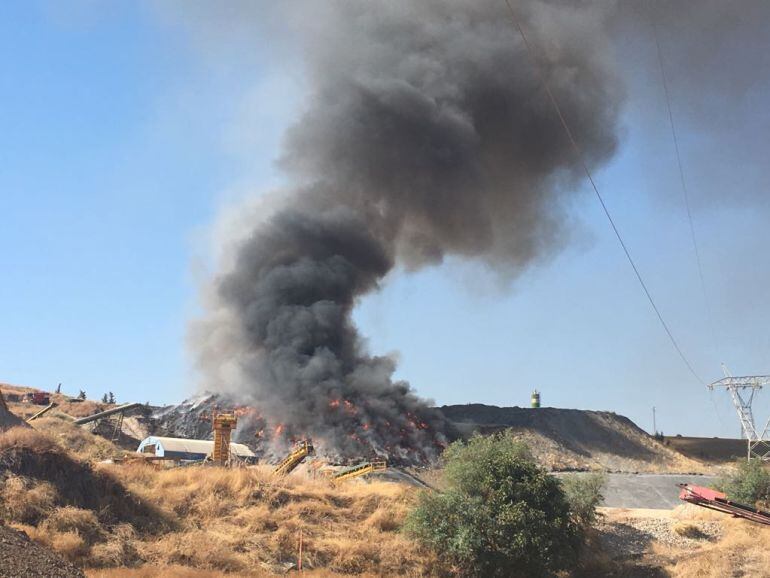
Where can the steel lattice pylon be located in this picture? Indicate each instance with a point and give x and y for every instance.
(742, 390)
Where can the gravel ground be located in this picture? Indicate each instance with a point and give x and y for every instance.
(21, 558)
(632, 537)
(664, 531)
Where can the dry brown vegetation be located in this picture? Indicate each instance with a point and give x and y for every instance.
(742, 551)
(77, 440)
(234, 520)
(141, 520)
(240, 521)
(66, 404)
(686, 542)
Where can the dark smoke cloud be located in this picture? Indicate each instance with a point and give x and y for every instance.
(425, 134)
(718, 69)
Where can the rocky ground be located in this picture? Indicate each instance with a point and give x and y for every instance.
(19, 556)
(683, 542)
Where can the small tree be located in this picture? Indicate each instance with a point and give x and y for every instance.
(111, 398)
(501, 515)
(82, 394)
(105, 399)
(748, 484)
(584, 494)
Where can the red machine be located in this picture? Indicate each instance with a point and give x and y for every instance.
(708, 498)
(37, 398)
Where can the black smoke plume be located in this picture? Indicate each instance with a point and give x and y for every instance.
(426, 134)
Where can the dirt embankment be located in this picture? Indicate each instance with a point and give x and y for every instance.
(8, 419)
(572, 439)
(712, 450)
(19, 556)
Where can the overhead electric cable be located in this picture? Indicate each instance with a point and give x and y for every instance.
(579, 155)
(685, 191)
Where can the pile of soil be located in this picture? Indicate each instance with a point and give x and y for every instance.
(573, 439)
(34, 456)
(19, 556)
(8, 419)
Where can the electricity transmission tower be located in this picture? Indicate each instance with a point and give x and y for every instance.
(742, 390)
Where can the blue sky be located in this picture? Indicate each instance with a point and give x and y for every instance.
(121, 140)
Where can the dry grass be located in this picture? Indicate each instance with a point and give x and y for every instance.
(741, 552)
(28, 439)
(687, 530)
(240, 521)
(77, 440)
(25, 500)
(170, 571)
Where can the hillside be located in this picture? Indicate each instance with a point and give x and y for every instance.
(573, 439)
(561, 439)
(8, 419)
(713, 450)
(242, 521)
(19, 556)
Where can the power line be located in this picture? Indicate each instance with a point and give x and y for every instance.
(685, 191)
(579, 154)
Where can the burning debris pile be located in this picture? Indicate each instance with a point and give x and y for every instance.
(271, 440)
(426, 135)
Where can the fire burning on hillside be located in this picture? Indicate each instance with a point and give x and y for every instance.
(192, 418)
(424, 136)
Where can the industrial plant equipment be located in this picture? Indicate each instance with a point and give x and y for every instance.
(301, 450)
(224, 423)
(42, 412)
(359, 470)
(713, 500)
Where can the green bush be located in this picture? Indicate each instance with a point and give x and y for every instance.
(501, 515)
(584, 494)
(748, 484)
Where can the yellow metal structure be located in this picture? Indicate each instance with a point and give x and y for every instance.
(359, 470)
(301, 450)
(43, 411)
(224, 423)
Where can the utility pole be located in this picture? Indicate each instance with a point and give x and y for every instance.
(654, 425)
(742, 390)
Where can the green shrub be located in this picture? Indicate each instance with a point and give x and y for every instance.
(584, 494)
(501, 515)
(748, 484)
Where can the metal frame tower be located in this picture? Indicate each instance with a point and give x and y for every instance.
(742, 390)
(224, 423)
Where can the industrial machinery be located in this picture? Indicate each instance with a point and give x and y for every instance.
(42, 412)
(224, 423)
(302, 449)
(36, 398)
(359, 470)
(713, 500)
(119, 412)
